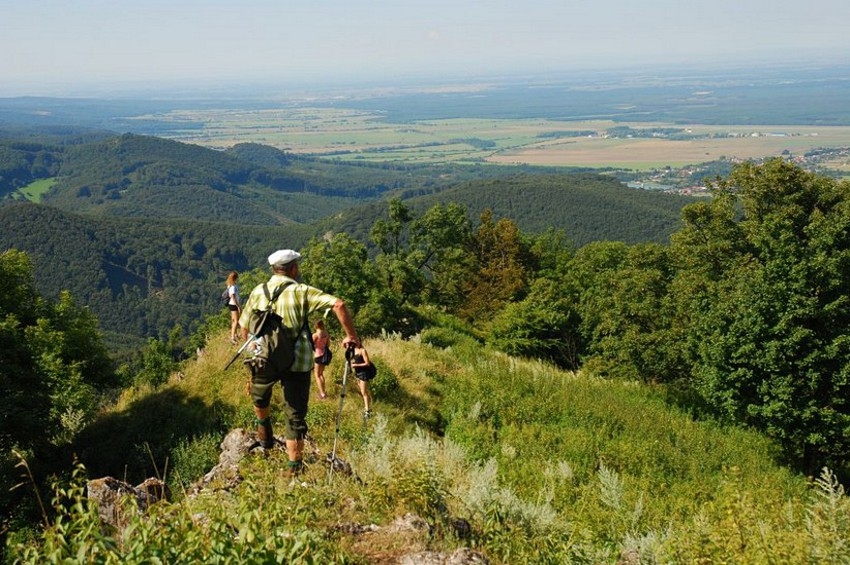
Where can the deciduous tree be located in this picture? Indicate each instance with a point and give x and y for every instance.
(766, 287)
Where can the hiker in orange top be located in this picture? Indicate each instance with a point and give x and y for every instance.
(322, 356)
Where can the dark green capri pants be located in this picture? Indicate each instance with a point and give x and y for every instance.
(296, 394)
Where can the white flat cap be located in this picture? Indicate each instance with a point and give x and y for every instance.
(283, 256)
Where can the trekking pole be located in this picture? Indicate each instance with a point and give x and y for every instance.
(239, 351)
(349, 354)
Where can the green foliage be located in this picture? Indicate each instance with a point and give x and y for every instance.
(769, 308)
(734, 529)
(191, 458)
(246, 531)
(393, 238)
(404, 472)
(385, 313)
(633, 334)
(339, 264)
(498, 276)
(543, 325)
(441, 241)
(444, 337)
(54, 360)
(385, 384)
(54, 373)
(425, 259)
(157, 364)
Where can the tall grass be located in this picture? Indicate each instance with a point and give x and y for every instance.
(544, 466)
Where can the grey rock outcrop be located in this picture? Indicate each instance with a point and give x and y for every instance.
(108, 493)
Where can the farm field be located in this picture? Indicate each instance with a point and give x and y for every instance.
(648, 153)
(358, 135)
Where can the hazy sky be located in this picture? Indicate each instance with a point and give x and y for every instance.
(50, 45)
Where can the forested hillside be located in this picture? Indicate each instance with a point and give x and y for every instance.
(141, 176)
(136, 176)
(140, 278)
(587, 207)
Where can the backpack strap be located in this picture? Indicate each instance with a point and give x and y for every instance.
(272, 298)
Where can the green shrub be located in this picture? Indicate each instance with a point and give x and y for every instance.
(385, 382)
(444, 337)
(191, 459)
(243, 528)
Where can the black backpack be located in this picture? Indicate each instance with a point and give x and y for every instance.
(371, 372)
(225, 297)
(273, 346)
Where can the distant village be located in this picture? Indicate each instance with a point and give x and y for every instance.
(692, 180)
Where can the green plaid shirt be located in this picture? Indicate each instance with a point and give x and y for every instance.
(290, 306)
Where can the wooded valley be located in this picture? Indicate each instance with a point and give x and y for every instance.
(144, 230)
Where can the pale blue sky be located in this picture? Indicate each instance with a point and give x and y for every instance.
(51, 46)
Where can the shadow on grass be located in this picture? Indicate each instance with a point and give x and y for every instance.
(418, 411)
(135, 444)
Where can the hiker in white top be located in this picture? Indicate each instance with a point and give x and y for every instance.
(233, 306)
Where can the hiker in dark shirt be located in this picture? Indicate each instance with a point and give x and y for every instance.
(364, 371)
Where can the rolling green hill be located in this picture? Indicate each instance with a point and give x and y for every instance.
(588, 207)
(149, 177)
(137, 176)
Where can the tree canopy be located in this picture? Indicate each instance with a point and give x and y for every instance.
(54, 368)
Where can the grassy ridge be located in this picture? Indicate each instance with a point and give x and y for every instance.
(546, 466)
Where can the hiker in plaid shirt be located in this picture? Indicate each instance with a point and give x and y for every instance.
(295, 300)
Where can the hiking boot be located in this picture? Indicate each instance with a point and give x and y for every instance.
(264, 433)
(294, 469)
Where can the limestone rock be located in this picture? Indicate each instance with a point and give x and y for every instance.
(107, 493)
